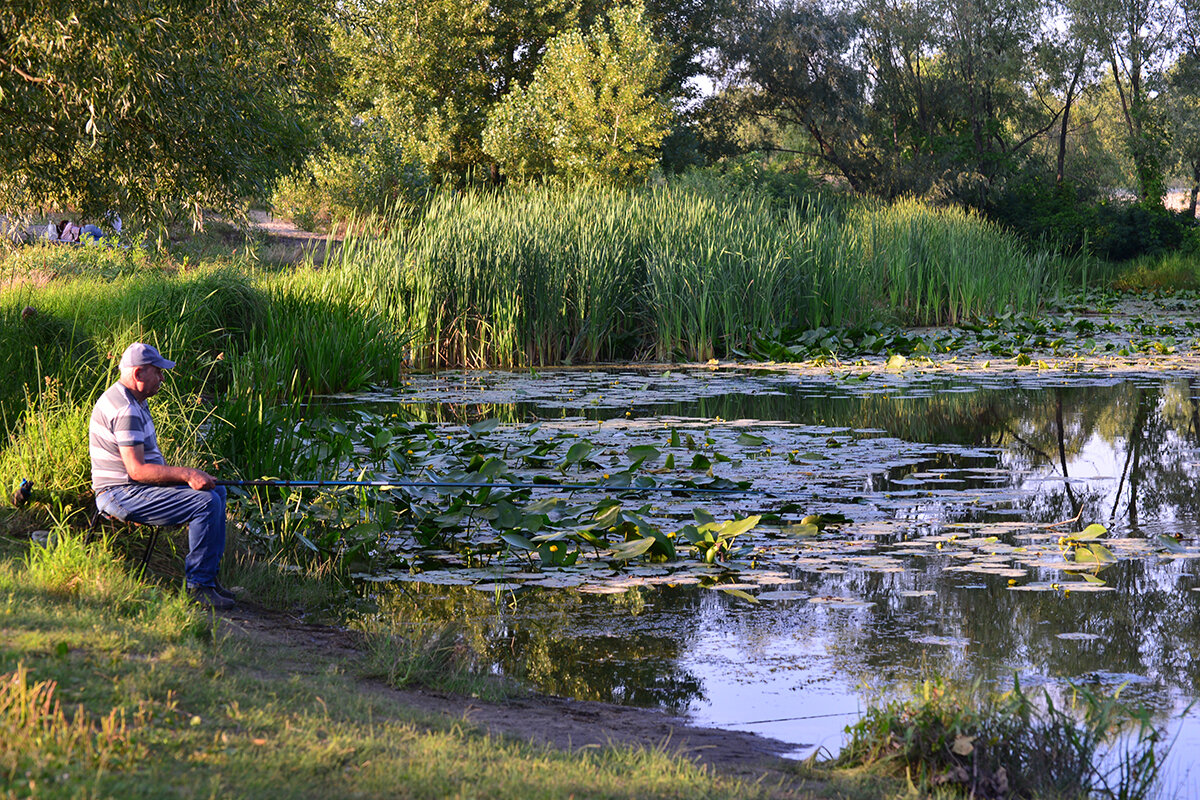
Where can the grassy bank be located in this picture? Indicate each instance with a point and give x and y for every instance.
(111, 687)
(248, 341)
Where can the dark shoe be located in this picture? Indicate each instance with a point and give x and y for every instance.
(208, 597)
(221, 590)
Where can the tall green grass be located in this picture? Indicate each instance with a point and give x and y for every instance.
(540, 276)
(244, 339)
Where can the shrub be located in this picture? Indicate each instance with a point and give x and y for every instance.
(1068, 217)
(1008, 745)
(363, 169)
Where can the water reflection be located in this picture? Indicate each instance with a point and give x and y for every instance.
(1122, 453)
(566, 643)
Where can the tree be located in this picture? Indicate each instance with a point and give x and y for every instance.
(1182, 112)
(791, 62)
(153, 107)
(1067, 75)
(434, 68)
(1136, 38)
(592, 110)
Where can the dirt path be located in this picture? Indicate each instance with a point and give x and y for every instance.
(559, 722)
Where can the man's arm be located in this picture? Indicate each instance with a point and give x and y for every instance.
(141, 472)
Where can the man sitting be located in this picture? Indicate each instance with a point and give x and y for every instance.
(133, 483)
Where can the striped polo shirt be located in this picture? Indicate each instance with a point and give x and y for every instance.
(119, 420)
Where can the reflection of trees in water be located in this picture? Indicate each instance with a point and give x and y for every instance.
(1148, 627)
(1148, 436)
(611, 648)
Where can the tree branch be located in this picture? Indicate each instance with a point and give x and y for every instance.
(23, 73)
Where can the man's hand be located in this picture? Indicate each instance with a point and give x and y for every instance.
(201, 480)
(160, 475)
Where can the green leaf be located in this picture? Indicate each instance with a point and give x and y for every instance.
(645, 452)
(484, 426)
(1092, 579)
(801, 531)
(627, 550)
(1094, 554)
(896, 362)
(674, 438)
(1170, 545)
(304, 540)
(518, 541)
(543, 506)
(750, 440)
(508, 516)
(607, 517)
(578, 452)
(740, 594)
(1093, 531)
(738, 527)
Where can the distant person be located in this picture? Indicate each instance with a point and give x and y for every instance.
(52, 232)
(92, 233)
(133, 482)
(68, 231)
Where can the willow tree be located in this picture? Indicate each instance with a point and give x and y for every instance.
(152, 107)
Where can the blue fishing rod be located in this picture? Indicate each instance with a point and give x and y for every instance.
(602, 487)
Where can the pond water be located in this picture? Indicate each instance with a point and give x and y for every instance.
(956, 492)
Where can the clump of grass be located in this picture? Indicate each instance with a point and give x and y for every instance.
(271, 583)
(69, 568)
(436, 656)
(1169, 272)
(1008, 745)
(40, 742)
(43, 262)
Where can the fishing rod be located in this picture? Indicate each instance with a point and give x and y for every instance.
(446, 485)
(23, 492)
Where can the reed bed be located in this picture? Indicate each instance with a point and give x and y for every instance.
(543, 276)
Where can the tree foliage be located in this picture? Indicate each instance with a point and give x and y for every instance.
(434, 68)
(592, 110)
(153, 107)
(896, 96)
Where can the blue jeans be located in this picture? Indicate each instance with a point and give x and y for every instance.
(203, 511)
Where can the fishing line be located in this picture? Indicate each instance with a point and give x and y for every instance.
(794, 719)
